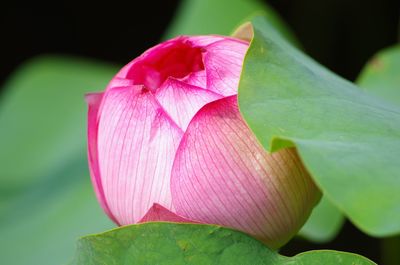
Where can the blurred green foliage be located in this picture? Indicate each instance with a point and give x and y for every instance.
(197, 17)
(381, 76)
(42, 114)
(324, 223)
(47, 201)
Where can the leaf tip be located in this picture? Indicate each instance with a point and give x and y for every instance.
(244, 32)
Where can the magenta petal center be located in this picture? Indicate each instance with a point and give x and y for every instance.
(177, 59)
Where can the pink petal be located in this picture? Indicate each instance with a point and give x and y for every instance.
(205, 40)
(160, 213)
(182, 101)
(120, 82)
(223, 63)
(94, 100)
(198, 79)
(222, 175)
(137, 142)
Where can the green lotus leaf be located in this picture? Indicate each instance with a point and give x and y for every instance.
(186, 244)
(348, 139)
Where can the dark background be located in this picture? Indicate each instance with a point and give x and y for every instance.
(341, 34)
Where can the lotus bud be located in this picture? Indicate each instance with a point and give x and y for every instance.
(166, 142)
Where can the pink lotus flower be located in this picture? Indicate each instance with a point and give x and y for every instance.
(167, 142)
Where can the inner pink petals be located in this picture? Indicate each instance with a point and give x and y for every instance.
(181, 100)
(177, 58)
(186, 73)
(137, 142)
(198, 79)
(223, 61)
